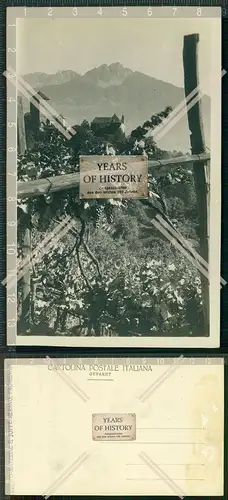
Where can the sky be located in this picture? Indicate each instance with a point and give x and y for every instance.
(151, 46)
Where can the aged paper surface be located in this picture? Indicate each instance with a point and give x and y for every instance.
(178, 409)
(102, 272)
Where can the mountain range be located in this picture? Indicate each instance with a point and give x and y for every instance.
(111, 89)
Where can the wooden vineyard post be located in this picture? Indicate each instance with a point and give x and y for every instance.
(21, 137)
(191, 83)
(26, 281)
(25, 319)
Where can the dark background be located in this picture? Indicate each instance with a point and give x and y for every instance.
(30, 351)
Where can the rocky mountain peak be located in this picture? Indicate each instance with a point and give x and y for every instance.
(105, 75)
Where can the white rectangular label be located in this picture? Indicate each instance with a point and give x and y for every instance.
(113, 177)
(114, 426)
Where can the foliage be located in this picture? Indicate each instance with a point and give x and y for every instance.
(108, 273)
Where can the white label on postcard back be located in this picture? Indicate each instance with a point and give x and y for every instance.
(113, 177)
(114, 426)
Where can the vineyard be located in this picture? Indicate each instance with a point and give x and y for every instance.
(112, 273)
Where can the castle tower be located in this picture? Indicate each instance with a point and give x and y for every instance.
(35, 111)
(122, 126)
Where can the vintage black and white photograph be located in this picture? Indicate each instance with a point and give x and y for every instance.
(117, 271)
